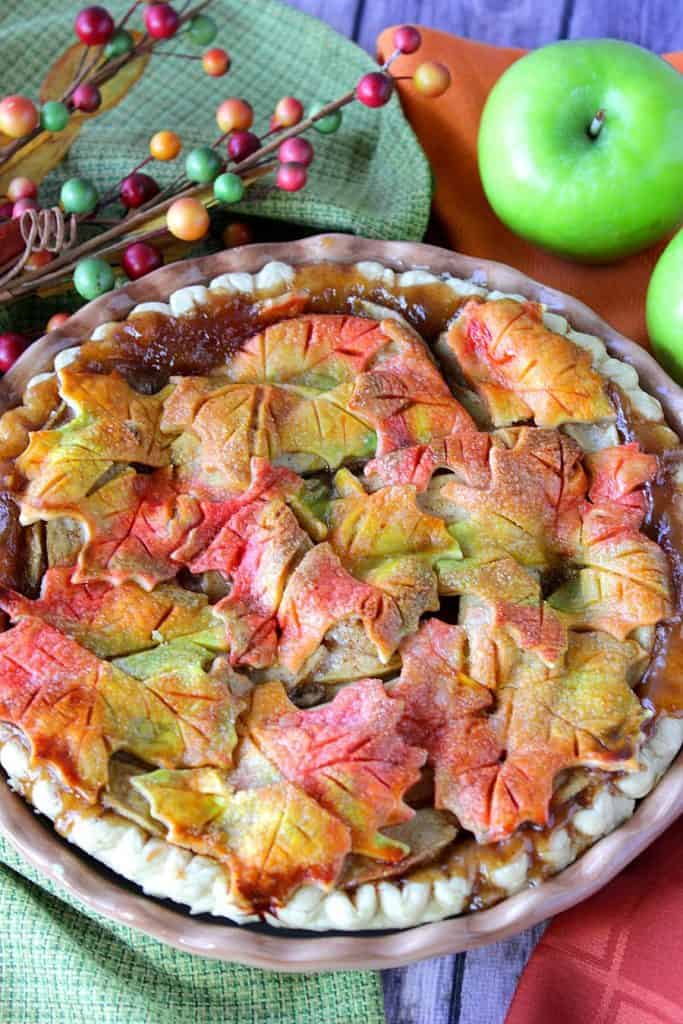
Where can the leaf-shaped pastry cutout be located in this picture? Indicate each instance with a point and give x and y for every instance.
(321, 593)
(521, 369)
(265, 540)
(467, 456)
(223, 425)
(495, 767)
(76, 709)
(530, 507)
(444, 709)
(111, 424)
(625, 578)
(273, 839)
(201, 702)
(367, 528)
(134, 525)
(347, 755)
(404, 396)
(312, 393)
(41, 155)
(311, 351)
(113, 621)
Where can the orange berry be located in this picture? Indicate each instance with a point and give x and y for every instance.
(187, 219)
(431, 79)
(237, 233)
(38, 259)
(234, 115)
(18, 116)
(55, 321)
(216, 62)
(165, 146)
(288, 112)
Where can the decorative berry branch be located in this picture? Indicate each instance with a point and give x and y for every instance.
(210, 176)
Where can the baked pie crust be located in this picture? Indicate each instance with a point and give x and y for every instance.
(338, 596)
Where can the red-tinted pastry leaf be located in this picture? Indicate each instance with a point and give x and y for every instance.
(76, 710)
(112, 621)
(321, 593)
(530, 507)
(347, 755)
(521, 369)
(466, 455)
(495, 764)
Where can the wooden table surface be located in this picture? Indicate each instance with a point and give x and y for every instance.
(476, 988)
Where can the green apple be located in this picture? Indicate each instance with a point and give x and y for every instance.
(665, 308)
(581, 148)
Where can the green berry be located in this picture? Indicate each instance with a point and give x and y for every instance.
(121, 42)
(228, 188)
(328, 124)
(121, 280)
(202, 164)
(54, 116)
(78, 196)
(202, 29)
(93, 277)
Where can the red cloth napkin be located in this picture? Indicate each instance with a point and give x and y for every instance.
(615, 958)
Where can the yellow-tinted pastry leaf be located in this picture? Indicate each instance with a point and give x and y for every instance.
(111, 424)
(273, 838)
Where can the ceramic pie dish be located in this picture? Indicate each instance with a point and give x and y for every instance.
(340, 595)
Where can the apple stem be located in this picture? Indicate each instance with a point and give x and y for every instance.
(595, 127)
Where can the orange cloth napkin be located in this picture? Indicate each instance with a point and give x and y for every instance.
(447, 128)
(615, 958)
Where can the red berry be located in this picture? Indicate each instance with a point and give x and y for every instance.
(407, 39)
(291, 177)
(375, 89)
(94, 26)
(11, 347)
(22, 188)
(295, 151)
(139, 259)
(6, 210)
(137, 189)
(242, 144)
(86, 97)
(161, 21)
(22, 205)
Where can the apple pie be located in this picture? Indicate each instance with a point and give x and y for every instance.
(337, 596)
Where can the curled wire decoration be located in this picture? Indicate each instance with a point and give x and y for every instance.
(43, 230)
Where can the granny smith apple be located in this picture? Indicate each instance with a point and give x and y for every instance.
(581, 148)
(665, 308)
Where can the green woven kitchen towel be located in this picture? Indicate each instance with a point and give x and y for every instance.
(62, 964)
(371, 178)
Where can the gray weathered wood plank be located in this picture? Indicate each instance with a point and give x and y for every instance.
(477, 988)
